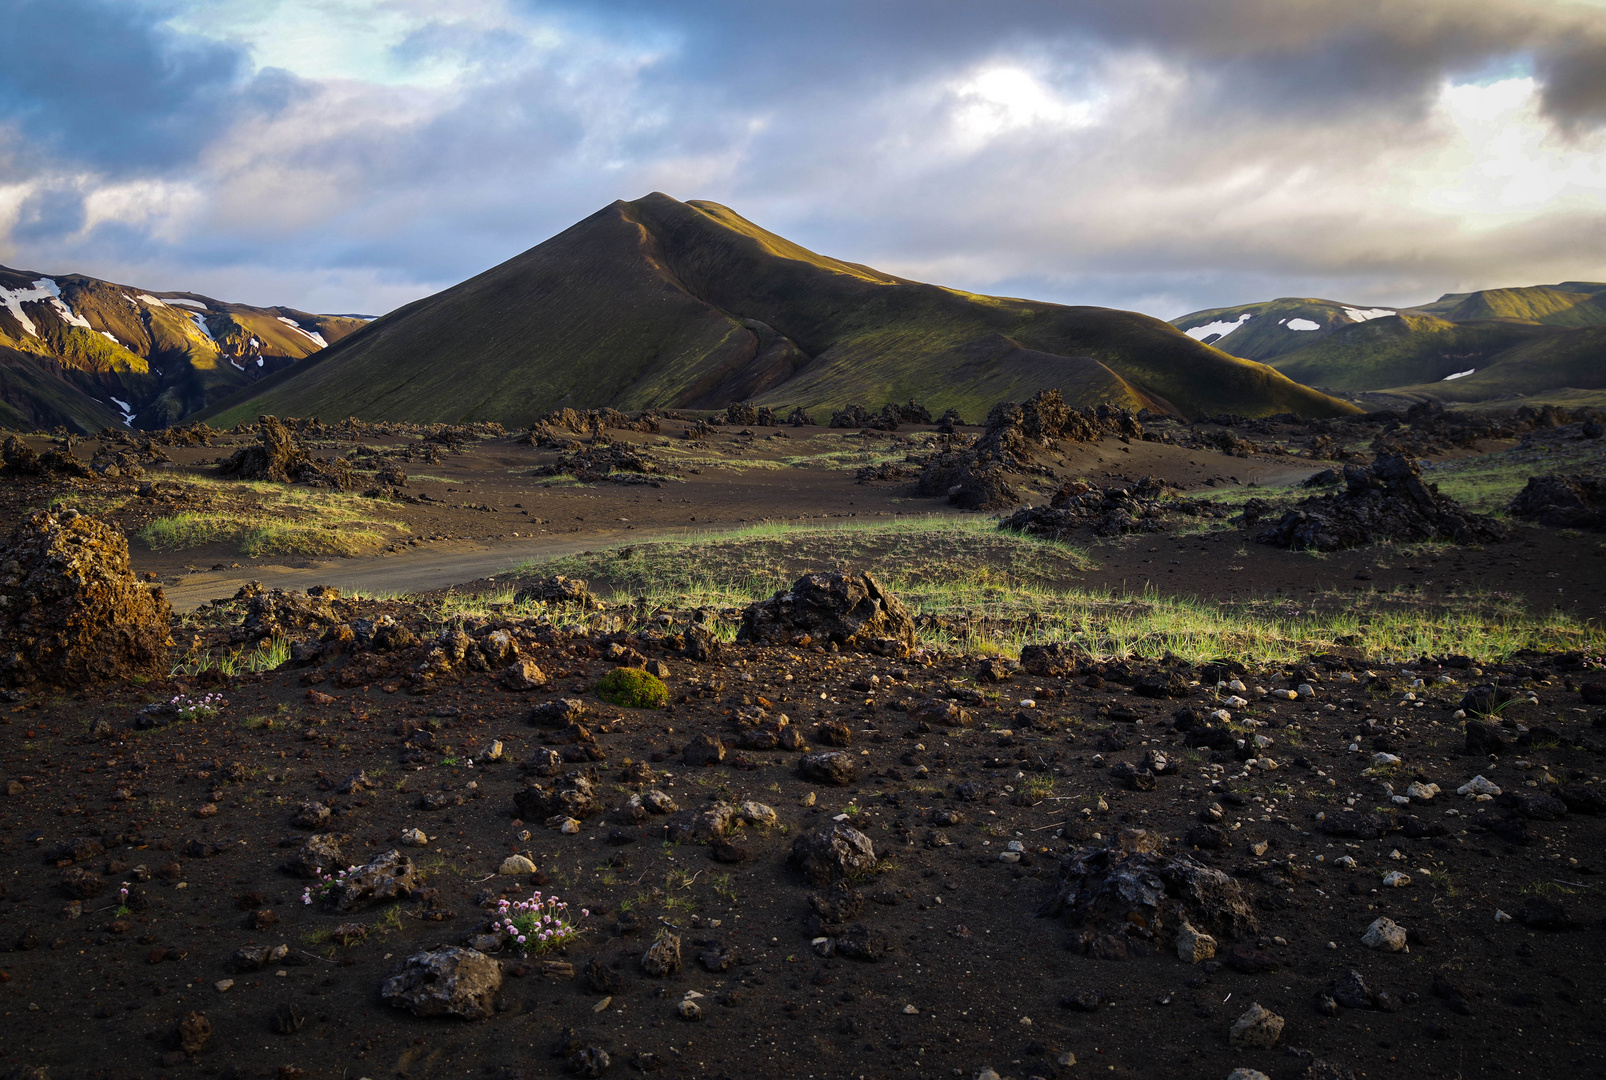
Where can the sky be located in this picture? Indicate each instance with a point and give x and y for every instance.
(1159, 155)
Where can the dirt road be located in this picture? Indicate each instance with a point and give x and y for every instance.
(405, 572)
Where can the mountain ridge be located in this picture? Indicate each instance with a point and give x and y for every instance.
(1465, 347)
(77, 349)
(660, 303)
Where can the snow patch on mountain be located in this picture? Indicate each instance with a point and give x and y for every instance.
(1367, 314)
(200, 324)
(1220, 326)
(42, 289)
(153, 301)
(312, 335)
(187, 303)
(1459, 374)
(1302, 324)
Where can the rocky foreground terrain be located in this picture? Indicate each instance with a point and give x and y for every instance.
(294, 833)
(816, 850)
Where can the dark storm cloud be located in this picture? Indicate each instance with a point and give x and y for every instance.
(101, 83)
(1575, 83)
(1272, 55)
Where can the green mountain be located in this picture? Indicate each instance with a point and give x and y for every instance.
(1572, 303)
(75, 350)
(1542, 365)
(1404, 349)
(1462, 347)
(1274, 327)
(657, 302)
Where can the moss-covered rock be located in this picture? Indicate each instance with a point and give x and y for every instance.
(633, 688)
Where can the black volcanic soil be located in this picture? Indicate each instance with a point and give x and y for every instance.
(1504, 975)
(98, 995)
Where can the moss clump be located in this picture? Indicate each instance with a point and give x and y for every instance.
(633, 688)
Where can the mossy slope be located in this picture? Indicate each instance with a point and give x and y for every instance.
(657, 302)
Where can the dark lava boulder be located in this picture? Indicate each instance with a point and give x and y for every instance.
(1054, 659)
(281, 612)
(1384, 500)
(1563, 502)
(449, 981)
(1112, 511)
(558, 591)
(975, 477)
(71, 610)
(277, 456)
(833, 854)
(1130, 885)
(852, 611)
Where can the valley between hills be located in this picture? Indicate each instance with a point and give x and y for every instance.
(677, 652)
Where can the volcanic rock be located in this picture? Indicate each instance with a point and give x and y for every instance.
(451, 981)
(389, 875)
(71, 610)
(851, 611)
(1102, 886)
(1384, 500)
(1562, 502)
(829, 855)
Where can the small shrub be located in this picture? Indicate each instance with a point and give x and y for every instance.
(633, 688)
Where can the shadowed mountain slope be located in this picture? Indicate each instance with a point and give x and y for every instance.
(662, 303)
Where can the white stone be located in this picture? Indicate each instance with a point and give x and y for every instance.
(1396, 880)
(1306, 690)
(1385, 934)
(414, 838)
(1384, 760)
(514, 865)
(1247, 1074)
(1478, 786)
(1419, 790)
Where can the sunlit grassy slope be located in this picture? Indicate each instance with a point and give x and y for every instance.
(1531, 340)
(164, 355)
(663, 303)
(1413, 353)
(1571, 303)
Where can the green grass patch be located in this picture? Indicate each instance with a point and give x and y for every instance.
(1487, 482)
(976, 590)
(257, 535)
(960, 559)
(231, 662)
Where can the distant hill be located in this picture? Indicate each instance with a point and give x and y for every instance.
(662, 303)
(1273, 327)
(1465, 347)
(79, 352)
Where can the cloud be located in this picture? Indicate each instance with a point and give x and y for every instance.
(100, 82)
(1162, 154)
